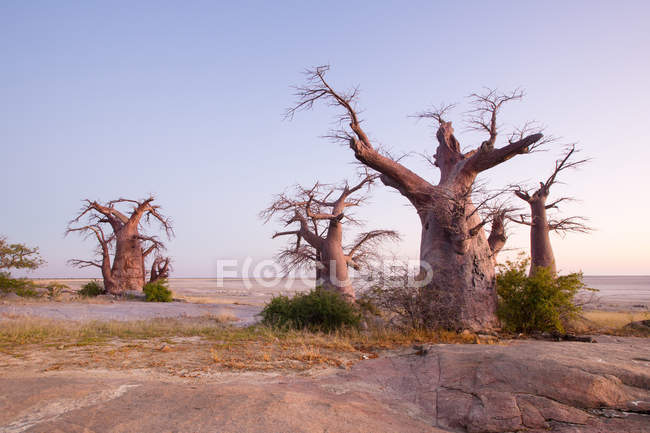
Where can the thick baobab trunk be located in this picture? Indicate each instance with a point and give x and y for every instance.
(541, 251)
(128, 264)
(335, 263)
(460, 287)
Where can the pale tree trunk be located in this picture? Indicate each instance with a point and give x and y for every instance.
(335, 263)
(460, 292)
(541, 251)
(128, 264)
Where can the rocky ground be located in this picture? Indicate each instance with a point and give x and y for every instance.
(526, 385)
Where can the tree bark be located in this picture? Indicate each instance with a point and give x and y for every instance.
(541, 251)
(128, 264)
(334, 261)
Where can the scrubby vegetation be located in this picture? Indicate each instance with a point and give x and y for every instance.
(54, 290)
(157, 291)
(540, 302)
(318, 310)
(92, 289)
(20, 286)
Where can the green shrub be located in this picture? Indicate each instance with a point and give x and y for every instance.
(54, 290)
(20, 286)
(318, 310)
(157, 291)
(91, 289)
(541, 302)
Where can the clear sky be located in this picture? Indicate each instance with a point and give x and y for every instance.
(185, 100)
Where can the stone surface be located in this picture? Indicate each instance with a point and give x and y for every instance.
(535, 386)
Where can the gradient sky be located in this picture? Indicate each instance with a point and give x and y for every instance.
(185, 100)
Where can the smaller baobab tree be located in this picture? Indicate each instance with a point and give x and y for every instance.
(539, 222)
(119, 234)
(160, 269)
(319, 213)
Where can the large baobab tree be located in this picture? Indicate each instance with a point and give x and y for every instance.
(540, 224)
(319, 214)
(119, 233)
(456, 256)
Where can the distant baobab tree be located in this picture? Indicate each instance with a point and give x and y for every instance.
(319, 214)
(119, 235)
(453, 244)
(540, 224)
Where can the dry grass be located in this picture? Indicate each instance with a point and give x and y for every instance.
(195, 344)
(614, 320)
(34, 330)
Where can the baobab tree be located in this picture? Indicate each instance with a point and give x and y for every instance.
(160, 268)
(455, 253)
(124, 239)
(319, 213)
(540, 224)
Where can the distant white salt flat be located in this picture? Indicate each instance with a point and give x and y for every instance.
(620, 290)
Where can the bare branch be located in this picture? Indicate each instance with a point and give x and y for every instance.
(83, 263)
(439, 113)
(318, 89)
(366, 242)
(575, 224)
(483, 117)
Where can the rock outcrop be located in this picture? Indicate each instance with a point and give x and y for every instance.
(532, 386)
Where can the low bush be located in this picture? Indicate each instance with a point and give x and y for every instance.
(539, 303)
(318, 310)
(54, 290)
(91, 289)
(157, 291)
(20, 286)
(395, 295)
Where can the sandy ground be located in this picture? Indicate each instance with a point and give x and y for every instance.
(128, 310)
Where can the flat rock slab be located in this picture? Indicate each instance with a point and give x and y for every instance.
(129, 310)
(533, 386)
(54, 405)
